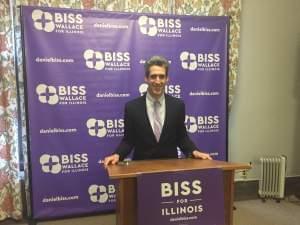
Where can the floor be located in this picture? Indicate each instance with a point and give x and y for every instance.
(250, 212)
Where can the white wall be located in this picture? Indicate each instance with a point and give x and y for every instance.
(265, 117)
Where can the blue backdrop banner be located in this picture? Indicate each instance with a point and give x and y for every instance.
(83, 66)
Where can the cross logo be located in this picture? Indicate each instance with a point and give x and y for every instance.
(50, 164)
(143, 88)
(191, 124)
(147, 25)
(188, 61)
(98, 193)
(94, 59)
(43, 20)
(96, 127)
(47, 94)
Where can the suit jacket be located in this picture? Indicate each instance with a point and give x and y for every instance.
(138, 133)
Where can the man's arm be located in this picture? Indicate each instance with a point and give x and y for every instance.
(126, 143)
(185, 143)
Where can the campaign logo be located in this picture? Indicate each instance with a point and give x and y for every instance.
(179, 198)
(105, 128)
(64, 95)
(47, 94)
(147, 25)
(160, 27)
(43, 20)
(50, 164)
(57, 22)
(143, 88)
(64, 163)
(183, 193)
(171, 89)
(102, 194)
(109, 61)
(200, 61)
(202, 124)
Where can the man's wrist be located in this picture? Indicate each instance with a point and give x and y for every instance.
(116, 155)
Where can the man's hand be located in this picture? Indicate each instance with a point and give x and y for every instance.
(112, 159)
(200, 155)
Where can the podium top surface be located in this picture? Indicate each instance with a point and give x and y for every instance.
(135, 168)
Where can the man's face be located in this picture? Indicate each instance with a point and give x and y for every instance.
(156, 81)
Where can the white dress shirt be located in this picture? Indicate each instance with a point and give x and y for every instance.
(150, 108)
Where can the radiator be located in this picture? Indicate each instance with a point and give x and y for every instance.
(272, 177)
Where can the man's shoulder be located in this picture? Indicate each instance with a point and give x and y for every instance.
(174, 100)
(136, 101)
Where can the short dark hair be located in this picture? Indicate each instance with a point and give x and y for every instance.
(156, 61)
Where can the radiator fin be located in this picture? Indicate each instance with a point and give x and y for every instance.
(272, 179)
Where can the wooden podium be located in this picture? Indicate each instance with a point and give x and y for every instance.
(128, 172)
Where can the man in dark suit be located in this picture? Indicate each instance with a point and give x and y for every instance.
(154, 123)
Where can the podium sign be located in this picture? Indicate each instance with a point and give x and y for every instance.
(192, 197)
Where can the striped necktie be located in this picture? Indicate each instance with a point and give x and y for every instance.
(157, 126)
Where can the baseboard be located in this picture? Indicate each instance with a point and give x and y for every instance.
(247, 190)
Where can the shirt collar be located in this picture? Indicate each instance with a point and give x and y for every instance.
(152, 100)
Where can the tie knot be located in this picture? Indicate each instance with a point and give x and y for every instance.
(156, 104)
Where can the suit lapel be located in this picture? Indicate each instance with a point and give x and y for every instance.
(146, 120)
(167, 118)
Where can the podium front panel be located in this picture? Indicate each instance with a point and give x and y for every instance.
(188, 197)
